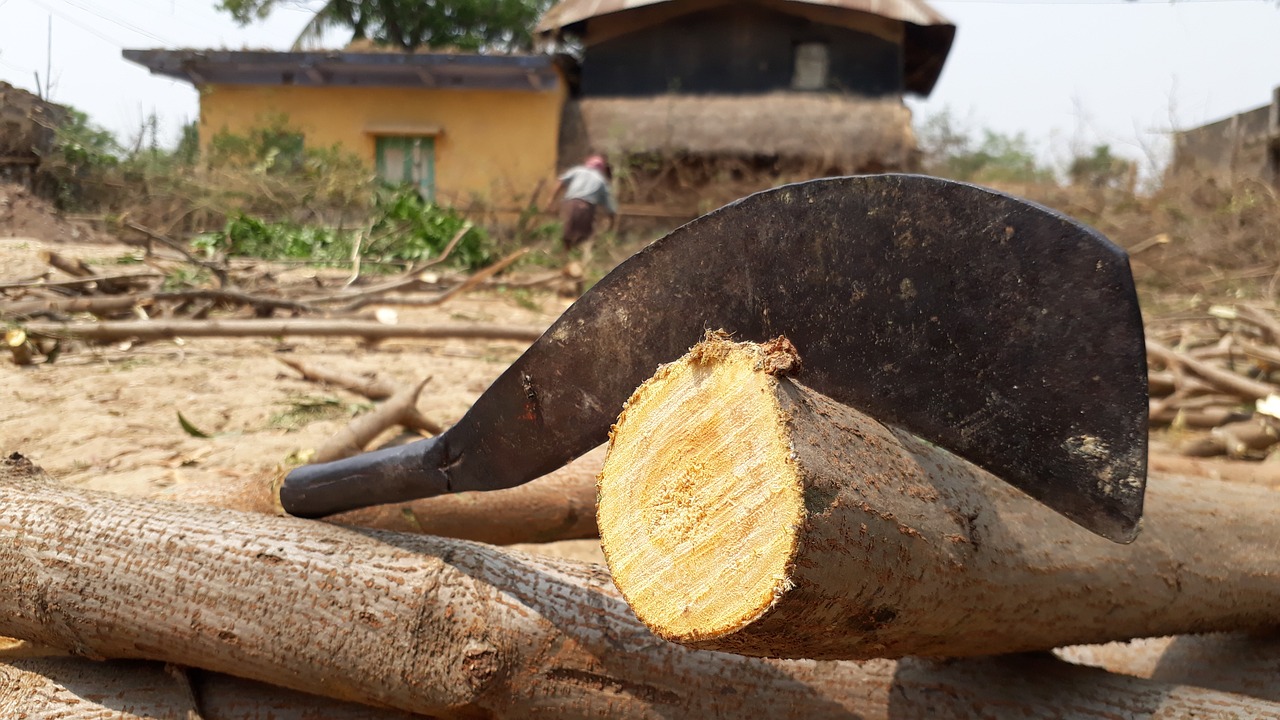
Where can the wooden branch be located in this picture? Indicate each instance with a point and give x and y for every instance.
(74, 267)
(466, 285)
(455, 629)
(1223, 379)
(76, 689)
(744, 512)
(412, 278)
(168, 329)
(371, 388)
(116, 303)
(218, 271)
(557, 506)
(85, 282)
(356, 435)
(1262, 319)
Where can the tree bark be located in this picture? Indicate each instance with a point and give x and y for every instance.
(167, 329)
(76, 689)
(456, 629)
(744, 512)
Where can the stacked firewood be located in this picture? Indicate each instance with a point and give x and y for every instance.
(1215, 385)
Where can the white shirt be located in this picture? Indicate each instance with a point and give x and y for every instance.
(584, 183)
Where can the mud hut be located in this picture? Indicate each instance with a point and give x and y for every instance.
(702, 100)
(28, 131)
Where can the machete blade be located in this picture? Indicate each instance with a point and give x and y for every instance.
(994, 327)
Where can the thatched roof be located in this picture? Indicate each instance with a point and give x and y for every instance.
(842, 130)
(926, 43)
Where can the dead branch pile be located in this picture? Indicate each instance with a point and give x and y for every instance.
(1215, 381)
(178, 294)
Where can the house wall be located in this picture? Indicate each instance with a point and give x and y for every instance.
(495, 145)
(1244, 145)
(736, 48)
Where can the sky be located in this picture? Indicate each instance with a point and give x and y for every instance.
(1067, 73)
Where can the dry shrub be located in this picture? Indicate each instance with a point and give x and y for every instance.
(1190, 234)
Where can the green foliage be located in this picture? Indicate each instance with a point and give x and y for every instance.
(272, 146)
(951, 151)
(1099, 169)
(463, 24)
(81, 145)
(405, 229)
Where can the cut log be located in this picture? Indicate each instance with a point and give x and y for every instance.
(457, 629)
(558, 506)
(742, 511)
(168, 329)
(71, 689)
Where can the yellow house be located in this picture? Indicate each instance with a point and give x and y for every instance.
(459, 126)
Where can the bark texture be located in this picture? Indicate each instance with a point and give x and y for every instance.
(75, 689)
(455, 629)
(901, 548)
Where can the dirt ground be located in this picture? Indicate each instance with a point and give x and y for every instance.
(106, 416)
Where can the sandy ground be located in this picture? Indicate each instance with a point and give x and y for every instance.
(106, 416)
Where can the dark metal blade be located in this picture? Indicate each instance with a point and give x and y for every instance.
(989, 325)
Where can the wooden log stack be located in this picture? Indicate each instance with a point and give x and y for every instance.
(771, 554)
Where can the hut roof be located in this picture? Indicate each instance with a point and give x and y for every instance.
(840, 130)
(926, 44)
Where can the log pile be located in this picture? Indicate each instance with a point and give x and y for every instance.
(1215, 383)
(426, 626)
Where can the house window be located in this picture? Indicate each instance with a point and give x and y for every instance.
(408, 160)
(811, 67)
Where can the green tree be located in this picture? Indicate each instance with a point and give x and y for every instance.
(950, 150)
(501, 25)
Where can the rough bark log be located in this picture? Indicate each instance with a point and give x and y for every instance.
(168, 329)
(1227, 662)
(75, 689)
(744, 512)
(558, 506)
(457, 629)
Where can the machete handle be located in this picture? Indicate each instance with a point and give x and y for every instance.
(397, 474)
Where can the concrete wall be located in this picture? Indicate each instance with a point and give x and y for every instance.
(494, 145)
(1246, 145)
